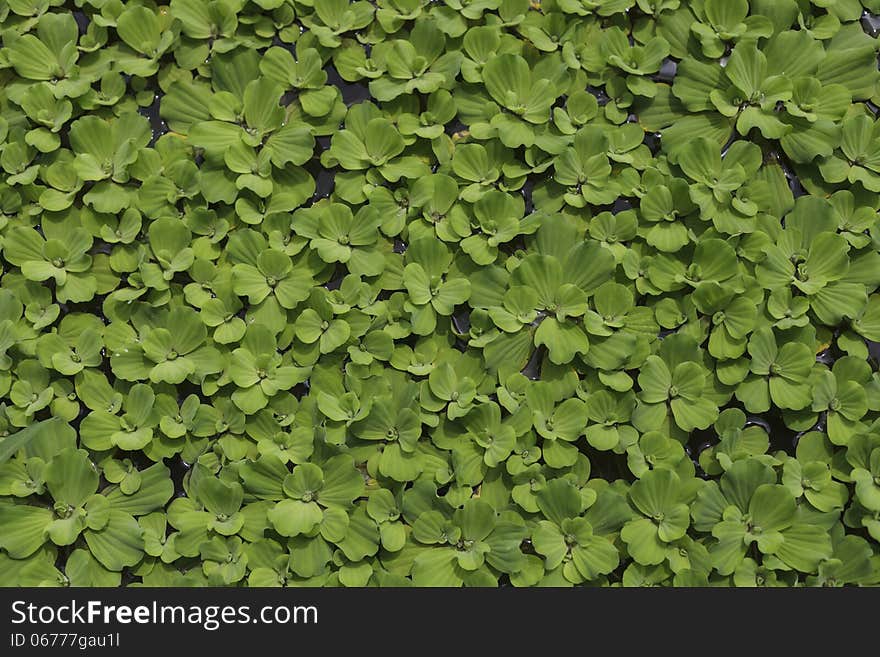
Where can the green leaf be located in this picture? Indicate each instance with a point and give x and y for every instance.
(119, 544)
(436, 568)
(772, 507)
(292, 144)
(25, 529)
(643, 542)
(261, 105)
(71, 477)
(563, 340)
(139, 28)
(343, 483)
(804, 547)
(20, 439)
(559, 500)
(747, 68)
(293, 517)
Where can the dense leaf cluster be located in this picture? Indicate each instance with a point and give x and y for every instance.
(481, 292)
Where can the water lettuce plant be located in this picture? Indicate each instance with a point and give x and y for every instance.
(460, 293)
